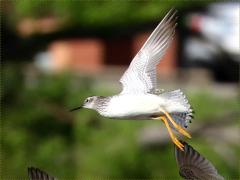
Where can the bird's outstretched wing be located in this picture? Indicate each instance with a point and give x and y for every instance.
(141, 76)
(37, 174)
(192, 165)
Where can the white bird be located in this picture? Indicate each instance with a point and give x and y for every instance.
(140, 98)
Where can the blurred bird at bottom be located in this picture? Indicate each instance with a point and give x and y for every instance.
(192, 165)
(37, 174)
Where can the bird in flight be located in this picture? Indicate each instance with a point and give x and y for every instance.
(140, 98)
(192, 165)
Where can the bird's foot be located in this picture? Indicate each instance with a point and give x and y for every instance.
(173, 137)
(178, 127)
(178, 144)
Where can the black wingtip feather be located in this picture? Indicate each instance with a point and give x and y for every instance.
(37, 174)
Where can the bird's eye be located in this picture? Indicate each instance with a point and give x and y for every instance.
(87, 100)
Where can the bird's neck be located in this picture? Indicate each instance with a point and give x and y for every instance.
(101, 103)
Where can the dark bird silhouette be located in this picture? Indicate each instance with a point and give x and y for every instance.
(37, 174)
(193, 166)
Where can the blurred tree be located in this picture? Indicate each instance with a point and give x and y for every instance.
(37, 127)
(96, 14)
(39, 131)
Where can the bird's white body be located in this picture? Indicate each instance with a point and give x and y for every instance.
(140, 106)
(140, 98)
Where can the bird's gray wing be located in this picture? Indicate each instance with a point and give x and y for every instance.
(141, 77)
(37, 174)
(192, 165)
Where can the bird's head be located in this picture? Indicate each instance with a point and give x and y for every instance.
(88, 103)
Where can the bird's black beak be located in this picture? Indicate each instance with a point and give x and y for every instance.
(74, 109)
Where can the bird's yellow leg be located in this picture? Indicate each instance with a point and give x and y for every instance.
(174, 139)
(179, 128)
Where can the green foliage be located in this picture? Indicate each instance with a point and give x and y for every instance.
(33, 8)
(204, 100)
(32, 132)
(39, 131)
(93, 14)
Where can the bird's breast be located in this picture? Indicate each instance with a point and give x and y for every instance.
(133, 106)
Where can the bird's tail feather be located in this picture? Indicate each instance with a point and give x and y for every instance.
(181, 118)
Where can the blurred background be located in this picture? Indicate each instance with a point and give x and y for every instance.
(56, 53)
